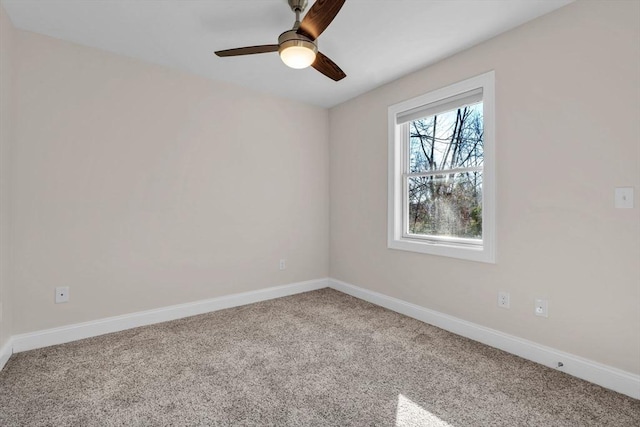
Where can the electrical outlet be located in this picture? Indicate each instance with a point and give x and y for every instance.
(503, 299)
(283, 264)
(62, 294)
(542, 307)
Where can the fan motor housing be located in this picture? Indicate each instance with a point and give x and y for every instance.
(292, 38)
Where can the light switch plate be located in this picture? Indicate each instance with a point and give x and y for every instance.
(624, 198)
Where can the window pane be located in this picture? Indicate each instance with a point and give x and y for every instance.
(449, 140)
(446, 205)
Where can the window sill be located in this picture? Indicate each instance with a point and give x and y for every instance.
(451, 250)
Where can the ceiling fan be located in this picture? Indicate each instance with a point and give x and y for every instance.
(298, 47)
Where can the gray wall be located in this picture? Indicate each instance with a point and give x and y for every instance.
(6, 131)
(142, 187)
(567, 133)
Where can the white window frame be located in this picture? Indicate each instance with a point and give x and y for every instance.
(467, 249)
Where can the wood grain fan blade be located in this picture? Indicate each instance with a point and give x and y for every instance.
(319, 17)
(249, 50)
(328, 67)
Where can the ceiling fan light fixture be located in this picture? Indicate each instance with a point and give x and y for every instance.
(298, 47)
(298, 53)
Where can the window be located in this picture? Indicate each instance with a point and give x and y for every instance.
(441, 172)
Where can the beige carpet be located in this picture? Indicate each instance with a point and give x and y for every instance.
(316, 359)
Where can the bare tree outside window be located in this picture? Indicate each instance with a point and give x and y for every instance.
(444, 176)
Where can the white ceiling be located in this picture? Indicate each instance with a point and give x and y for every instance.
(373, 41)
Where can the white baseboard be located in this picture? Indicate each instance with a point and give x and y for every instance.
(5, 353)
(606, 376)
(603, 375)
(64, 334)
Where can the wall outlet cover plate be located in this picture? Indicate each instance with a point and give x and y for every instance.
(62, 294)
(624, 198)
(541, 307)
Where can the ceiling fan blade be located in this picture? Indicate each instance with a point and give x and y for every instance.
(328, 67)
(249, 50)
(319, 17)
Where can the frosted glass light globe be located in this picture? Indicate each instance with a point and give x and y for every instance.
(298, 56)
